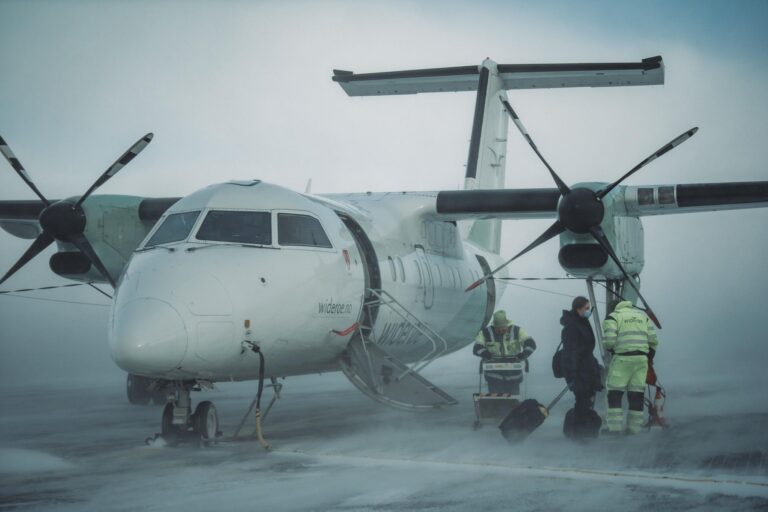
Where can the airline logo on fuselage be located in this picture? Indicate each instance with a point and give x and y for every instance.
(331, 308)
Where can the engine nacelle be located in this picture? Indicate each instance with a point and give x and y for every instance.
(70, 264)
(582, 256)
(115, 226)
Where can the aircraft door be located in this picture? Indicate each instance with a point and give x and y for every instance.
(370, 265)
(429, 282)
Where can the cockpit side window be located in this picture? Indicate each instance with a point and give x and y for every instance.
(175, 228)
(237, 227)
(301, 230)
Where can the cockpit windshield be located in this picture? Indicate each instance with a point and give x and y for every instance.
(175, 228)
(301, 230)
(237, 227)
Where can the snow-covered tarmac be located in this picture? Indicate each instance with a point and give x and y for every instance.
(334, 449)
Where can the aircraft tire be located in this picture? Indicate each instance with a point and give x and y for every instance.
(136, 389)
(206, 420)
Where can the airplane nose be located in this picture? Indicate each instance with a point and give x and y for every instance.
(148, 336)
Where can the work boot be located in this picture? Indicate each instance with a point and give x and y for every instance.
(635, 421)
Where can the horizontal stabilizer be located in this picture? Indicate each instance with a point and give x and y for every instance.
(513, 76)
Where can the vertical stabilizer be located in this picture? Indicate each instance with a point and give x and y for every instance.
(487, 152)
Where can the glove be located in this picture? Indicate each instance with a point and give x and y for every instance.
(486, 355)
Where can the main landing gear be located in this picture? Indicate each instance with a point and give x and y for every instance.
(180, 424)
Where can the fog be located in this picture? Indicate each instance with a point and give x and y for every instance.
(237, 90)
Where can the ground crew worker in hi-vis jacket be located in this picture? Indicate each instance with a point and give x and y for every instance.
(631, 339)
(503, 339)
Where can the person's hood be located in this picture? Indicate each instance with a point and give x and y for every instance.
(569, 316)
(625, 304)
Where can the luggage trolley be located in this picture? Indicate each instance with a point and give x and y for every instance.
(493, 407)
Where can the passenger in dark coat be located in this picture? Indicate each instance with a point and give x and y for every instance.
(580, 368)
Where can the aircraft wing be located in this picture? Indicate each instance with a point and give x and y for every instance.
(19, 218)
(115, 226)
(638, 201)
(696, 197)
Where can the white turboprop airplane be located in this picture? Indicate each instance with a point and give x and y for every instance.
(245, 279)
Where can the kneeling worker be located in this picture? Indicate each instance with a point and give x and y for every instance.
(503, 339)
(631, 339)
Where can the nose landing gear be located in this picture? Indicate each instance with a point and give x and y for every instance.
(179, 424)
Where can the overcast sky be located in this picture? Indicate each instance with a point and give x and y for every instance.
(236, 90)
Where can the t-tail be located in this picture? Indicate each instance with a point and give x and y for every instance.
(487, 156)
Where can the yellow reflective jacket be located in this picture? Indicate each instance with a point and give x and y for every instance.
(629, 329)
(513, 343)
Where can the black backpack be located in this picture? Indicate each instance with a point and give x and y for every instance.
(557, 365)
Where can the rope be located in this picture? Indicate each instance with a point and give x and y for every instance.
(14, 293)
(70, 285)
(100, 291)
(561, 294)
(541, 279)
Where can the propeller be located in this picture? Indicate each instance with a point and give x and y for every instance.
(65, 220)
(581, 209)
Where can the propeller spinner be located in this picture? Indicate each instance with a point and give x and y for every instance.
(581, 209)
(65, 220)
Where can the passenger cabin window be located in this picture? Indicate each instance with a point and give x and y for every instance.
(437, 276)
(236, 227)
(175, 228)
(418, 272)
(402, 268)
(301, 230)
(392, 268)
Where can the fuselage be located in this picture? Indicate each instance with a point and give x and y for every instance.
(301, 269)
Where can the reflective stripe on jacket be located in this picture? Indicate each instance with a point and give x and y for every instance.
(629, 329)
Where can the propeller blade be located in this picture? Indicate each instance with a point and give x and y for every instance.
(8, 154)
(560, 183)
(664, 149)
(86, 248)
(121, 162)
(39, 245)
(551, 232)
(599, 235)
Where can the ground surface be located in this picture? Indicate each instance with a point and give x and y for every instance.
(82, 449)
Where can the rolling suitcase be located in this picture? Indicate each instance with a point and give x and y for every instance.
(525, 418)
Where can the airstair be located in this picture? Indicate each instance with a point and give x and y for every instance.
(385, 378)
